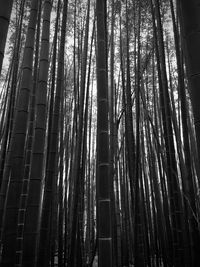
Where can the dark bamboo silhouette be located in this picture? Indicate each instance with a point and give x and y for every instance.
(190, 26)
(50, 179)
(13, 172)
(104, 234)
(33, 207)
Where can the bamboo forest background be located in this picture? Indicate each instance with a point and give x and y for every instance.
(99, 133)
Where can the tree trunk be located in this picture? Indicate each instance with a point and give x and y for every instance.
(14, 169)
(103, 183)
(35, 187)
(190, 26)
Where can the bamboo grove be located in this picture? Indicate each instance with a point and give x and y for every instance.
(99, 133)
